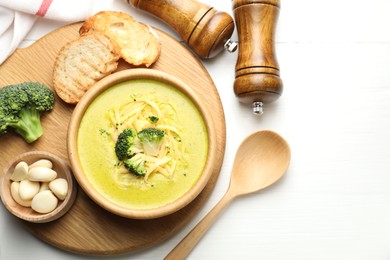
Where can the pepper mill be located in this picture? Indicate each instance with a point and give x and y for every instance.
(257, 75)
(203, 28)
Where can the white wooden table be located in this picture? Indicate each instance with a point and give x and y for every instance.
(334, 202)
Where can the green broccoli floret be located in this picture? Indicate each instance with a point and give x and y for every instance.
(127, 144)
(136, 164)
(21, 106)
(151, 139)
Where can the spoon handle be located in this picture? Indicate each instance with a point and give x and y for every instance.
(188, 243)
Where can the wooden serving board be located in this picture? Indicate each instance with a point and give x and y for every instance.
(88, 228)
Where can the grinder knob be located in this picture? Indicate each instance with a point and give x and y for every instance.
(203, 28)
(257, 77)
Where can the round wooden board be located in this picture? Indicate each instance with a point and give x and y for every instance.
(87, 228)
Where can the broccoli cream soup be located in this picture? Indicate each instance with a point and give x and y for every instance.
(142, 144)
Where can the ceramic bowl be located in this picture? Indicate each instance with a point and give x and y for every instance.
(85, 183)
(27, 213)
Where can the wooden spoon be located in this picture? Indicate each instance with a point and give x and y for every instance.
(260, 161)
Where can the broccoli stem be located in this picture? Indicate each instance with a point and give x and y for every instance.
(29, 126)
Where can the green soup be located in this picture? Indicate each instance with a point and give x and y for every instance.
(97, 151)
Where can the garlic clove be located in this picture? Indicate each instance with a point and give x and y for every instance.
(44, 186)
(41, 163)
(20, 171)
(15, 195)
(28, 189)
(41, 174)
(44, 202)
(59, 187)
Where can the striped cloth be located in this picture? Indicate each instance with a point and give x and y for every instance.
(17, 17)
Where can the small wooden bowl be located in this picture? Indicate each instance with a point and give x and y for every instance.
(26, 213)
(85, 184)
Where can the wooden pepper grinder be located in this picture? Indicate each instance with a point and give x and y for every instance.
(203, 28)
(257, 71)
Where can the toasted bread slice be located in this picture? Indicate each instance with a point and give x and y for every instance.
(81, 63)
(138, 43)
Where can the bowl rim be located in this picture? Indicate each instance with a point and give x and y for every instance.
(72, 135)
(63, 206)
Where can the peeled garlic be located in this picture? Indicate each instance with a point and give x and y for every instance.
(20, 171)
(36, 186)
(41, 163)
(44, 186)
(15, 195)
(44, 202)
(59, 187)
(41, 174)
(28, 189)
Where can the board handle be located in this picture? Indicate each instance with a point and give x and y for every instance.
(257, 74)
(204, 29)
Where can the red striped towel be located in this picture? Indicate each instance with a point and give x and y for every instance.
(19, 16)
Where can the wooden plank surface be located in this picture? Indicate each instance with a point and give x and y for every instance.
(87, 228)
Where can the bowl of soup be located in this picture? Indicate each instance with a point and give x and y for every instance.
(141, 143)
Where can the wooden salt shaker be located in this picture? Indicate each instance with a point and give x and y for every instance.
(204, 29)
(257, 71)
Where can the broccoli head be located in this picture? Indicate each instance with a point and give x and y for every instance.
(151, 140)
(127, 144)
(136, 164)
(21, 106)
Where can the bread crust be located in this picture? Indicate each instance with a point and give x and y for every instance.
(81, 63)
(138, 44)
